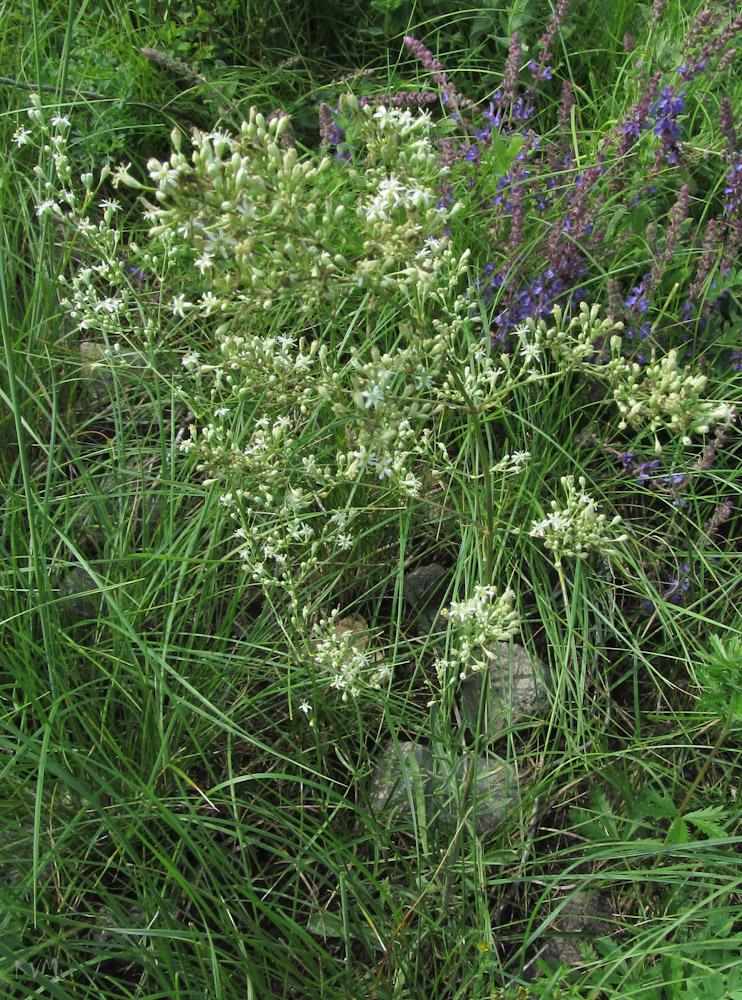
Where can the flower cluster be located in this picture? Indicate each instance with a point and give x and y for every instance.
(663, 395)
(574, 343)
(665, 109)
(577, 529)
(342, 655)
(477, 624)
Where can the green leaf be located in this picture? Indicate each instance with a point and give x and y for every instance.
(705, 820)
(678, 832)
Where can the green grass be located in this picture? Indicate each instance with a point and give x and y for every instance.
(172, 823)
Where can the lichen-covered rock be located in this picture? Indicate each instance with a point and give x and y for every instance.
(518, 690)
(423, 591)
(583, 917)
(409, 779)
(79, 594)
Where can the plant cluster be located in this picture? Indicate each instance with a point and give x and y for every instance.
(499, 334)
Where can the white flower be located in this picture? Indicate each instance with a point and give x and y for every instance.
(180, 305)
(49, 205)
(383, 675)
(221, 140)
(110, 305)
(411, 485)
(121, 175)
(302, 363)
(373, 396)
(191, 359)
(20, 137)
(163, 174)
(578, 529)
(303, 532)
(344, 541)
(59, 121)
(364, 457)
(384, 468)
(110, 204)
(208, 303)
(305, 707)
(203, 263)
(530, 353)
(221, 411)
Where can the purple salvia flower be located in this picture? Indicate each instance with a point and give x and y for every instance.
(509, 90)
(678, 214)
(727, 59)
(679, 585)
(557, 154)
(667, 105)
(426, 57)
(707, 261)
(704, 24)
(449, 95)
(722, 513)
(707, 456)
(658, 8)
(401, 99)
(733, 188)
(614, 298)
(516, 220)
(637, 301)
(732, 245)
(541, 70)
(726, 124)
(665, 110)
(711, 45)
(325, 121)
(631, 126)
(642, 470)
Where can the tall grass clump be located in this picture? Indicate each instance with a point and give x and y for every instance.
(250, 388)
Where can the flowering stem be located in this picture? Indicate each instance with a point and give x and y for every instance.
(489, 531)
(88, 95)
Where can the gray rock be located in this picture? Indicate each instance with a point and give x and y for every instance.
(518, 693)
(410, 777)
(128, 497)
(423, 591)
(79, 594)
(100, 367)
(130, 492)
(518, 683)
(583, 917)
(110, 926)
(16, 854)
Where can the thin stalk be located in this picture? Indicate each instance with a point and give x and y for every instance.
(694, 787)
(489, 535)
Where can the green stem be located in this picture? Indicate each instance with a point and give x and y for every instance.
(489, 536)
(694, 787)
